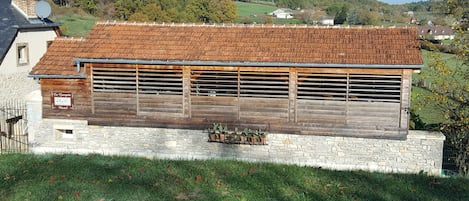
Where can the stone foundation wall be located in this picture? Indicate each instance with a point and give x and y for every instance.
(421, 151)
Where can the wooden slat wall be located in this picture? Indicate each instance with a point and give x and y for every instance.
(265, 109)
(382, 115)
(80, 88)
(163, 105)
(215, 108)
(296, 100)
(115, 103)
(333, 112)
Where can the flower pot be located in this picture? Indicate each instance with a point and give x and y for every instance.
(213, 137)
(263, 140)
(222, 137)
(242, 139)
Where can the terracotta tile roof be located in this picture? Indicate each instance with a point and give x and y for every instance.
(58, 59)
(239, 43)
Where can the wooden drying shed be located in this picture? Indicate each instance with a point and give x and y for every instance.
(298, 80)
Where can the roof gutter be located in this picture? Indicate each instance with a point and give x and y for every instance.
(82, 76)
(239, 63)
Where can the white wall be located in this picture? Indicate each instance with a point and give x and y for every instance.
(37, 46)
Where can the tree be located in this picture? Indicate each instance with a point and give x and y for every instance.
(360, 16)
(125, 8)
(450, 89)
(155, 13)
(333, 9)
(87, 5)
(211, 11)
(61, 2)
(139, 17)
(293, 4)
(341, 16)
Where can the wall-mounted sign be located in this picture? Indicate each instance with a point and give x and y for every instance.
(61, 100)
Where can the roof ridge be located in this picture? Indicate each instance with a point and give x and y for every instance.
(192, 24)
(70, 39)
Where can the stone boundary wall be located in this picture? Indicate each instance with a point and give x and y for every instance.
(421, 151)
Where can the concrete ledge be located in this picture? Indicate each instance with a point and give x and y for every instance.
(429, 135)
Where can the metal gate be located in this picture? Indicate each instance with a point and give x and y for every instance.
(13, 127)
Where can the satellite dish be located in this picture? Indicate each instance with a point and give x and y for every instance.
(43, 9)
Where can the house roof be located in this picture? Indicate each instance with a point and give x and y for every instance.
(271, 45)
(435, 30)
(12, 20)
(281, 10)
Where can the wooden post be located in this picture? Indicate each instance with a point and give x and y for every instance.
(238, 96)
(406, 85)
(90, 66)
(137, 85)
(292, 95)
(186, 91)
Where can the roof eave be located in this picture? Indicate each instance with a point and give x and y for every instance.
(48, 76)
(78, 61)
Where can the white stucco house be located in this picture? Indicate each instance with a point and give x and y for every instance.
(326, 20)
(436, 32)
(282, 13)
(24, 39)
(24, 36)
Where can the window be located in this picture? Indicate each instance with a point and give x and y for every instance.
(64, 132)
(349, 87)
(322, 86)
(146, 90)
(214, 83)
(264, 84)
(22, 54)
(375, 88)
(114, 80)
(160, 81)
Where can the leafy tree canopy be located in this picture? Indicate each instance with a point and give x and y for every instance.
(450, 88)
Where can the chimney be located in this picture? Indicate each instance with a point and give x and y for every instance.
(26, 6)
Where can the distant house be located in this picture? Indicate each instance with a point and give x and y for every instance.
(23, 36)
(282, 13)
(436, 32)
(326, 20)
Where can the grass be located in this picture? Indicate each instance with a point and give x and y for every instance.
(100, 178)
(258, 12)
(429, 113)
(249, 9)
(76, 25)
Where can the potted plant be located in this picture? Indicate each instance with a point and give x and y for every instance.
(244, 135)
(263, 136)
(212, 132)
(253, 136)
(223, 132)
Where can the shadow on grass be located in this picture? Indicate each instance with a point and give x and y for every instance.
(93, 177)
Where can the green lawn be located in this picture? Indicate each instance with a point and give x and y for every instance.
(248, 9)
(76, 25)
(100, 178)
(429, 113)
(257, 12)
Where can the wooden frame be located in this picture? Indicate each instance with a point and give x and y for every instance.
(315, 101)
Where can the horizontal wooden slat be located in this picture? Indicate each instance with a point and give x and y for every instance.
(266, 109)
